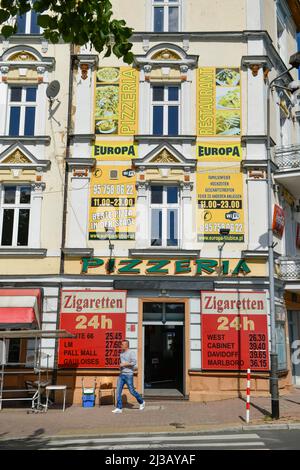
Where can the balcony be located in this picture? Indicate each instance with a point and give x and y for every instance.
(289, 269)
(287, 160)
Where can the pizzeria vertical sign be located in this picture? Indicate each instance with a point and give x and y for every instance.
(219, 101)
(97, 318)
(234, 331)
(116, 101)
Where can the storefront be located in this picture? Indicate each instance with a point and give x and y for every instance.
(194, 333)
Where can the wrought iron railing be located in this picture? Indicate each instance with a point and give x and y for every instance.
(289, 268)
(287, 158)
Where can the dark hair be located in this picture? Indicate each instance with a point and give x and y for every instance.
(126, 341)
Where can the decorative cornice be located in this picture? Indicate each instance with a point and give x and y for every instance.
(256, 139)
(164, 253)
(35, 139)
(81, 163)
(258, 165)
(84, 138)
(78, 252)
(255, 62)
(165, 138)
(23, 252)
(91, 59)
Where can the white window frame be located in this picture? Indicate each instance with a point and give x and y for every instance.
(166, 103)
(164, 206)
(16, 207)
(28, 24)
(23, 104)
(166, 4)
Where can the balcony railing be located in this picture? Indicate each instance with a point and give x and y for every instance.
(289, 269)
(288, 158)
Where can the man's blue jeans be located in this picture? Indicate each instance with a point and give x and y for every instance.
(128, 380)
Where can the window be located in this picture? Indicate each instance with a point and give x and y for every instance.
(165, 110)
(164, 203)
(281, 345)
(15, 215)
(27, 23)
(22, 110)
(166, 15)
(163, 312)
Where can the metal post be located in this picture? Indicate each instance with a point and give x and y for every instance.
(274, 361)
(274, 389)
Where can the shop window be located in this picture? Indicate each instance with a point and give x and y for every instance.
(281, 345)
(165, 110)
(166, 15)
(27, 23)
(163, 312)
(164, 203)
(14, 350)
(21, 111)
(15, 215)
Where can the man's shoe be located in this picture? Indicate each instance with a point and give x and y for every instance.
(142, 405)
(117, 410)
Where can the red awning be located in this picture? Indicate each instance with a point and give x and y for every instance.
(20, 308)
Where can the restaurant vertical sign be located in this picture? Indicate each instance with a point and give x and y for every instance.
(97, 318)
(234, 331)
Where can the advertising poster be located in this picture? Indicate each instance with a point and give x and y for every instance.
(112, 151)
(116, 101)
(219, 151)
(298, 236)
(234, 331)
(220, 204)
(98, 319)
(219, 101)
(278, 221)
(112, 203)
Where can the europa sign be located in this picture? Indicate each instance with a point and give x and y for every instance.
(200, 267)
(97, 318)
(234, 331)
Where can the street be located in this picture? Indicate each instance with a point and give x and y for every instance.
(259, 440)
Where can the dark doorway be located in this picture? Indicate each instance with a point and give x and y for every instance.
(164, 350)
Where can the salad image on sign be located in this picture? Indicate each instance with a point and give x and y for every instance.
(219, 101)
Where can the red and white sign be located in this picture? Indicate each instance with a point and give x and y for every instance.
(298, 236)
(98, 319)
(234, 331)
(278, 221)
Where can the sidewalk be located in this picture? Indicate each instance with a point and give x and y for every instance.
(164, 416)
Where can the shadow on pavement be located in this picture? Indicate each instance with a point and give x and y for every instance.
(258, 408)
(27, 443)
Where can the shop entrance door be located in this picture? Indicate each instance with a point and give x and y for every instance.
(163, 349)
(294, 334)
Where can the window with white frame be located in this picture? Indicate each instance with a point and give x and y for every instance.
(166, 15)
(21, 110)
(164, 208)
(165, 104)
(15, 215)
(27, 23)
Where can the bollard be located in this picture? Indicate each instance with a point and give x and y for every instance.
(248, 397)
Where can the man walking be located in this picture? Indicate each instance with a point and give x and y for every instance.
(127, 364)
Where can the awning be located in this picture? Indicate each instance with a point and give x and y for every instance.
(20, 308)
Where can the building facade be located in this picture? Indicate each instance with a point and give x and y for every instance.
(145, 197)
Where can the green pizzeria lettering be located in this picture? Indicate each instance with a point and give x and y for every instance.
(166, 267)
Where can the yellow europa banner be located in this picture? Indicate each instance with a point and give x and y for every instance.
(112, 151)
(220, 204)
(112, 203)
(116, 101)
(219, 151)
(219, 101)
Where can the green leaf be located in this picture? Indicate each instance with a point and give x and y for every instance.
(7, 31)
(44, 21)
(4, 15)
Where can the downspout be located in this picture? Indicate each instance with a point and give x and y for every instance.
(65, 210)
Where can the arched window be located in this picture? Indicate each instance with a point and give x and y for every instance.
(166, 15)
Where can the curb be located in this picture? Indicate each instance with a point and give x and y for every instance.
(238, 428)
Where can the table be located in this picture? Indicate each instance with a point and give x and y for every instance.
(49, 388)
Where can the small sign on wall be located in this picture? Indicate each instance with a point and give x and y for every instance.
(278, 221)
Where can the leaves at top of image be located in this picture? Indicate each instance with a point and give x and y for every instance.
(78, 22)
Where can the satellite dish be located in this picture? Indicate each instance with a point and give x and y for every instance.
(53, 89)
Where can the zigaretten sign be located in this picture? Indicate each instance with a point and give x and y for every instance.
(197, 267)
